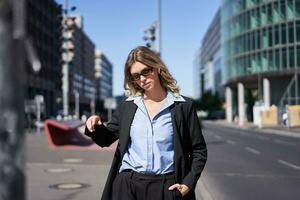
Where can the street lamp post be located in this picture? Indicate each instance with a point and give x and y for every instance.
(153, 31)
(76, 93)
(67, 57)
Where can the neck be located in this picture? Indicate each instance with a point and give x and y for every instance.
(156, 94)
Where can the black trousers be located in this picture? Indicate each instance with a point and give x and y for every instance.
(130, 185)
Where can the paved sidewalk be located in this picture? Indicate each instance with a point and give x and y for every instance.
(73, 167)
(279, 130)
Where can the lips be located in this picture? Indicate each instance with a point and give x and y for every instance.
(147, 84)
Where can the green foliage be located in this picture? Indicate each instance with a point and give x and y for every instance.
(209, 102)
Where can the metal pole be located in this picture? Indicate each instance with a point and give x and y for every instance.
(159, 26)
(77, 104)
(65, 71)
(38, 104)
(258, 87)
(296, 86)
(12, 33)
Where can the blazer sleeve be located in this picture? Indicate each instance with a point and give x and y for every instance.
(198, 148)
(103, 135)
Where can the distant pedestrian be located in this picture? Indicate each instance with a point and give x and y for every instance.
(161, 151)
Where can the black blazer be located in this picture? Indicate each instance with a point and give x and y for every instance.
(190, 151)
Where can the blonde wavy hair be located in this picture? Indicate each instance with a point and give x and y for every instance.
(149, 58)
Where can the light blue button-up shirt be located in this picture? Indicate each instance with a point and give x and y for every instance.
(151, 149)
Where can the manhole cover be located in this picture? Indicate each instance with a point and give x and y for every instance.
(68, 186)
(72, 160)
(59, 170)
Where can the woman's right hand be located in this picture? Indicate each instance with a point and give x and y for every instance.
(92, 121)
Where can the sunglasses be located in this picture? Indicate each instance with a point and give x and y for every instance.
(145, 72)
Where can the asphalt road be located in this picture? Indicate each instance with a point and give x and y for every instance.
(244, 164)
(71, 167)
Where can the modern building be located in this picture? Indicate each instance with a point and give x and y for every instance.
(82, 80)
(43, 31)
(261, 54)
(103, 69)
(209, 61)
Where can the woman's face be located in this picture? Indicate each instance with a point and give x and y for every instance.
(146, 77)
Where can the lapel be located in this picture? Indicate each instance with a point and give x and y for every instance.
(175, 115)
(127, 118)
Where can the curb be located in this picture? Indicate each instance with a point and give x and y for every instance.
(263, 130)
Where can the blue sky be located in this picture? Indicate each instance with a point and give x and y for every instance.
(116, 27)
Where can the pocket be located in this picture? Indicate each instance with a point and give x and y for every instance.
(176, 194)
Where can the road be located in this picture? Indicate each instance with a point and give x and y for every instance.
(245, 164)
(71, 167)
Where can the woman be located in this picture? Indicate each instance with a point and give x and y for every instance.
(161, 151)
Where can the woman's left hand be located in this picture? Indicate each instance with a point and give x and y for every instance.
(183, 189)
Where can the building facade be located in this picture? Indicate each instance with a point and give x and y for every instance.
(82, 80)
(261, 51)
(209, 61)
(43, 24)
(105, 82)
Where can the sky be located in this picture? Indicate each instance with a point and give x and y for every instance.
(117, 26)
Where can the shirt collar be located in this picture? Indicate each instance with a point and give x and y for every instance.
(170, 98)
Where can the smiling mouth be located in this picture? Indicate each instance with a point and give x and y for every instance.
(146, 84)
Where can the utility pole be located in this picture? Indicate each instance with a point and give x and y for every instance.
(12, 63)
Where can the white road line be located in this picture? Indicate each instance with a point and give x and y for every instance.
(285, 142)
(289, 164)
(252, 150)
(230, 142)
(218, 137)
(262, 137)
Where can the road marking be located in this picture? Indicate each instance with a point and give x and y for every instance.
(230, 142)
(254, 151)
(289, 164)
(218, 137)
(262, 137)
(285, 142)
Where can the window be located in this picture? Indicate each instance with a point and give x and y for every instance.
(276, 15)
(264, 38)
(298, 56)
(297, 8)
(283, 10)
(291, 32)
(284, 58)
(276, 35)
(290, 9)
(269, 14)
(277, 60)
(263, 15)
(291, 57)
(270, 37)
(283, 34)
(298, 31)
(264, 61)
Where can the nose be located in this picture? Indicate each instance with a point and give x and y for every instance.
(142, 78)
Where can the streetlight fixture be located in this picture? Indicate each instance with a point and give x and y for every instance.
(154, 30)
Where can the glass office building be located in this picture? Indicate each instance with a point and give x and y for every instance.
(261, 41)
